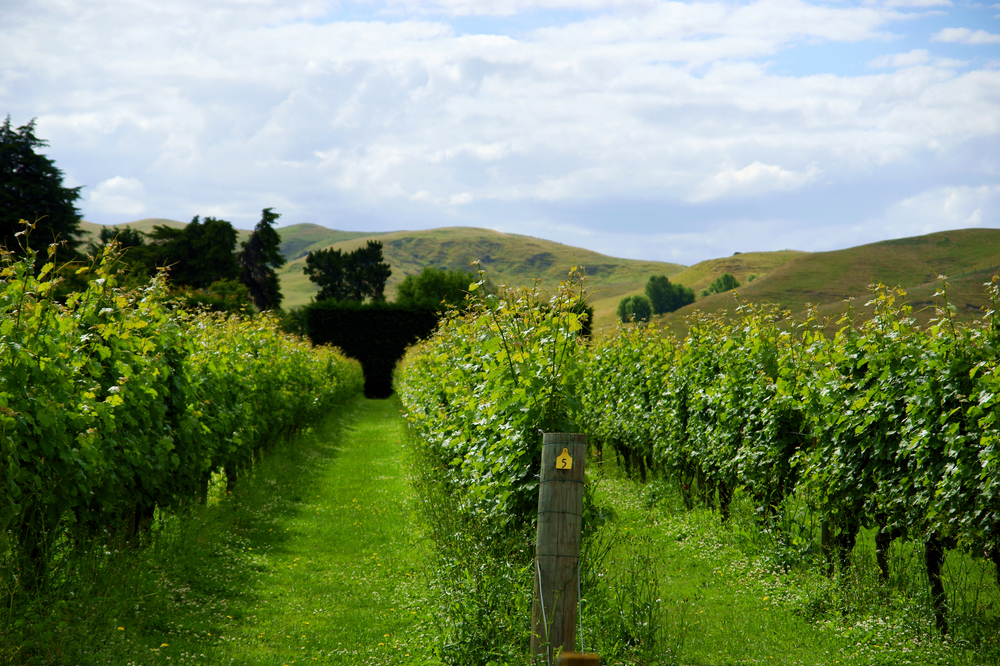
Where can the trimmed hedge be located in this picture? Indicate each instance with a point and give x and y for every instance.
(376, 334)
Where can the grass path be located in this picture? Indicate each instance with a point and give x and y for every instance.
(738, 594)
(313, 560)
(316, 558)
(342, 584)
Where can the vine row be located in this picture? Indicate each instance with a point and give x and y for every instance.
(113, 402)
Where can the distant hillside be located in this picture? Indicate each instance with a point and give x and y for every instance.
(789, 278)
(698, 277)
(505, 257)
(969, 257)
(92, 231)
(298, 240)
(510, 257)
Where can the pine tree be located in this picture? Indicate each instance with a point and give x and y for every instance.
(201, 253)
(259, 258)
(349, 277)
(31, 189)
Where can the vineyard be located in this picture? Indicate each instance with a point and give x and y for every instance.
(113, 402)
(883, 426)
(784, 446)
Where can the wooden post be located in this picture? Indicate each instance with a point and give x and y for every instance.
(557, 549)
(577, 659)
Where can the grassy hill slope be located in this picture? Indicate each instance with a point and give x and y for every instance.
(697, 277)
(298, 240)
(505, 257)
(92, 231)
(825, 279)
(789, 278)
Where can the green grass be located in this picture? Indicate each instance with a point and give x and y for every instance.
(317, 557)
(313, 559)
(740, 594)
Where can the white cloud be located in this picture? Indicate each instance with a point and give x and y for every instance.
(506, 7)
(917, 3)
(753, 179)
(965, 36)
(940, 209)
(914, 57)
(951, 63)
(409, 120)
(118, 196)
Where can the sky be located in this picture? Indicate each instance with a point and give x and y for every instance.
(672, 131)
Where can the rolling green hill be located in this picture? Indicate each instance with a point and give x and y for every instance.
(92, 231)
(504, 257)
(792, 279)
(969, 257)
(698, 277)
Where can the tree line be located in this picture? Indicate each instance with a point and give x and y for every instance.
(663, 296)
(205, 255)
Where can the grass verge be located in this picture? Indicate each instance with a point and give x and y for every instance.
(718, 594)
(310, 560)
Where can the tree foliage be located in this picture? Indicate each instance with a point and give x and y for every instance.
(435, 287)
(126, 236)
(667, 297)
(884, 425)
(201, 253)
(352, 276)
(722, 284)
(259, 257)
(634, 308)
(487, 381)
(112, 402)
(31, 189)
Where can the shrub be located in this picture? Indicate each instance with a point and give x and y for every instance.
(634, 308)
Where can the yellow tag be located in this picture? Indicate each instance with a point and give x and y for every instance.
(564, 461)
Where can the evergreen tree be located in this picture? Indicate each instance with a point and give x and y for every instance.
(349, 277)
(31, 189)
(259, 258)
(366, 273)
(325, 269)
(199, 254)
(434, 286)
(723, 283)
(125, 236)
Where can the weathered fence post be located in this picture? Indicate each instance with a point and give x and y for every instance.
(557, 549)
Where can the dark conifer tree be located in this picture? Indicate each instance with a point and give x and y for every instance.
(367, 273)
(325, 269)
(31, 189)
(201, 253)
(354, 276)
(259, 258)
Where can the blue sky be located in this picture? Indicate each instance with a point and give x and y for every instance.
(677, 131)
